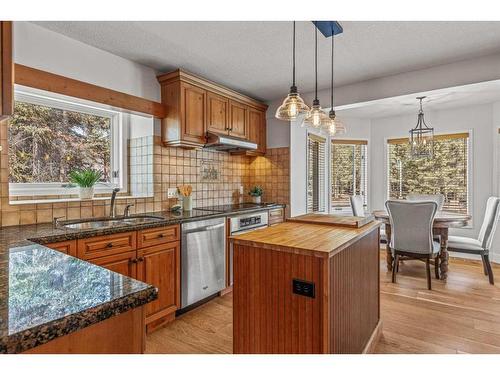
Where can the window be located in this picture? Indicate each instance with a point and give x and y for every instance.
(48, 137)
(446, 173)
(315, 173)
(348, 172)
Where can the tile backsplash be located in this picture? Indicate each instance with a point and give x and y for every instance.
(170, 167)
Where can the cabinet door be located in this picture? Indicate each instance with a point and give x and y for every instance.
(123, 263)
(66, 247)
(257, 129)
(194, 113)
(217, 113)
(238, 119)
(6, 70)
(160, 266)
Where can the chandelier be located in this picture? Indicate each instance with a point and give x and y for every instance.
(421, 137)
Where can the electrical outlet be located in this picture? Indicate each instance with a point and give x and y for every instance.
(172, 193)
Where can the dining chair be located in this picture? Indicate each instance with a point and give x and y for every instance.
(482, 245)
(357, 205)
(438, 198)
(411, 235)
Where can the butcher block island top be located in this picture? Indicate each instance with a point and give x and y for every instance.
(317, 239)
(306, 288)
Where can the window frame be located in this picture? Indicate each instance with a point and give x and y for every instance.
(118, 142)
(470, 169)
(325, 140)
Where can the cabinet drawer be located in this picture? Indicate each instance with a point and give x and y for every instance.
(95, 247)
(66, 247)
(275, 216)
(157, 236)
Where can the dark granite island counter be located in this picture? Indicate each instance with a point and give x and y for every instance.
(51, 302)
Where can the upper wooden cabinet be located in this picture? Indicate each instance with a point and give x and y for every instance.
(6, 70)
(196, 106)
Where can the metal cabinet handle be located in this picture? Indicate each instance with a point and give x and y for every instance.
(133, 260)
(109, 244)
(140, 259)
(161, 235)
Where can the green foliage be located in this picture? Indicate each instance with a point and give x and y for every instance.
(346, 172)
(84, 178)
(445, 173)
(46, 143)
(256, 191)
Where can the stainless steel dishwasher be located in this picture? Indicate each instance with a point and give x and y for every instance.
(203, 259)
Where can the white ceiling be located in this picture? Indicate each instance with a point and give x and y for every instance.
(448, 98)
(255, 57)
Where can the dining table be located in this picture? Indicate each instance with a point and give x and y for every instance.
(443, 221)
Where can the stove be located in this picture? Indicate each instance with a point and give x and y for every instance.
(229, 208)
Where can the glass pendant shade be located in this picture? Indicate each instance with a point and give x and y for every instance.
(316, 117)
(334, 125)
(292, 106)
(421, 137)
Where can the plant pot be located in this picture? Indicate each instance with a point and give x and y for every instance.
(256, 199)
(187, 203)
(86, 192)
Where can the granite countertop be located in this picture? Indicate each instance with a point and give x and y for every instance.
(45, 294)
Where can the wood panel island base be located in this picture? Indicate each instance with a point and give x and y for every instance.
(306, 288)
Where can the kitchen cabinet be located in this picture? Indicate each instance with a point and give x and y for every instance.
(66, 247)
(196, 106)
(217, 114)
(150, 255)
(257, 130)
(238, 118)
(6, 70)
(160, 266)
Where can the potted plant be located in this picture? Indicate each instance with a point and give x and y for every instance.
(256, 194)
(85, 179)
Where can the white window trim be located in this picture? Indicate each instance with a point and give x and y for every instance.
(470, 170)
(118, 149)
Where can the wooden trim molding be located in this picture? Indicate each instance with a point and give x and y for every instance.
(39, 79)
(198, 81)
(349, 142)
(6, 71)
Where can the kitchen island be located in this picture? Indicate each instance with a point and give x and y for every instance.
(306, 288)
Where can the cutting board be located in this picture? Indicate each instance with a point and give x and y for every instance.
(334, 220)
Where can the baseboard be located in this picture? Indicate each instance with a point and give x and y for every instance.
(374, 339)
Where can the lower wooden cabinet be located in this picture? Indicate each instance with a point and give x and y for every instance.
(160, 266)
(124, 263)
(150, 255)
(66, 247)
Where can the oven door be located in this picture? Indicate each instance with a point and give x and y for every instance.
(231, 250)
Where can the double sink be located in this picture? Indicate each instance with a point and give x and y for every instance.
(110, 222)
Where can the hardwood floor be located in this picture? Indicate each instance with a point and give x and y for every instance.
(460, 316)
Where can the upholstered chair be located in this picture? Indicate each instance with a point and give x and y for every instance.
(438, 198)
(411, 234)
(357, 205)
(482, 245)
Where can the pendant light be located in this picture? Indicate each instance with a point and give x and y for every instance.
(333, 125)
(316, 117)
(293, 105)
(421, 136)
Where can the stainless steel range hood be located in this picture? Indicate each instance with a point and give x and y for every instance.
(221, 142)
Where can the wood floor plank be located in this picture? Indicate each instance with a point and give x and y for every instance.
(461, 315)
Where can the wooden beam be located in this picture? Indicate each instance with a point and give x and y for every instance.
(39, 79)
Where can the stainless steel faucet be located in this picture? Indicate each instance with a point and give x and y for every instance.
(112, 208)
(126, 212)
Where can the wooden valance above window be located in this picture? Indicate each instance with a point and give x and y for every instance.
(42, 80)
(438, 137)
(349, 142)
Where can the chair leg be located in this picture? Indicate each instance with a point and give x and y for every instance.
(397, 265)
(485, 268)
(428, 271)
(396, 260)
(486, 259)
(436, 267)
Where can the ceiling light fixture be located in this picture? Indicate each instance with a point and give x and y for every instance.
(293, 105)
(316, 117)
(333, 125)
(421, 137)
